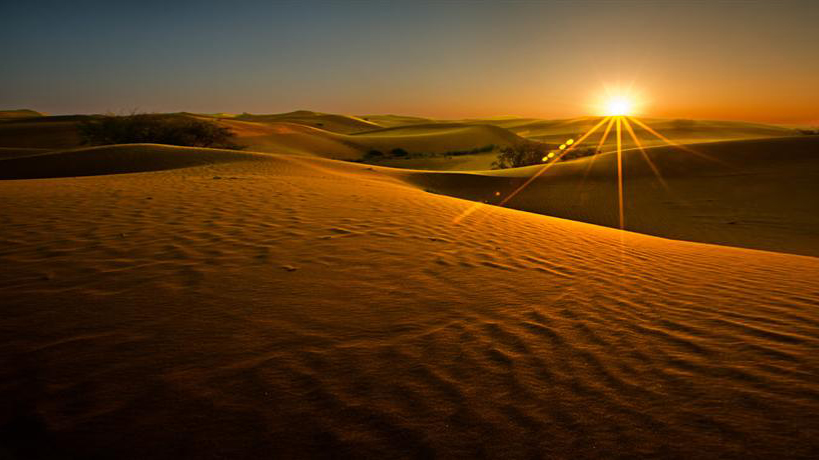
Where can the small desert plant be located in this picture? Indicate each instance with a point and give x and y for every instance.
(525, 153)
(140, 128)
(530, 153)
(374, 155)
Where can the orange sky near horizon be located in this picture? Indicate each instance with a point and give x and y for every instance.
(739, 60)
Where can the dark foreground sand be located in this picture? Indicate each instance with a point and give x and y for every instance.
(276, 307)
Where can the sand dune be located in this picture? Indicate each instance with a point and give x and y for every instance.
(395, 120)
(40, 132)
(294, 138)
(115, 159)
(344, 124)
(438, 139)
(297, 306)
(757, 193)
(680, 130)
(20, 113)
(12, 152)
(350, 137)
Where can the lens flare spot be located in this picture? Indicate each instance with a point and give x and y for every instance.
(562, 146)
(570, 142)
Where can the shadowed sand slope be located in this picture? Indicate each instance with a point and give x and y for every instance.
(40, 132)
(12, 152)
(114, 159)
(758, 193)
(301, 307)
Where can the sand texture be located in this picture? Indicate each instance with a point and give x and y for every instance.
(175, 303)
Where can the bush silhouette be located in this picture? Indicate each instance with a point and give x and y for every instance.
(155, 129)
(530, 153)
(521, 154)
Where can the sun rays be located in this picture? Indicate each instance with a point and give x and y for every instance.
(618, 120)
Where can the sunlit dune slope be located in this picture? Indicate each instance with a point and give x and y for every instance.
(295, 306)
(439, 139)
(294, 138)
(20, 113)
(757, 193)
(388, 121)
(344, 124)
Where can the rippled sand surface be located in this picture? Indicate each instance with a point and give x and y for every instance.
(293, 308)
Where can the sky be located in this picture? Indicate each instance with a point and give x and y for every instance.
(743, 60)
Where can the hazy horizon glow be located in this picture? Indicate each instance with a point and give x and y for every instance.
(752, 61)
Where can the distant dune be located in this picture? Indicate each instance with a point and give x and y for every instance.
(39, 132)
(243, 305)
(12, 152)
(20, 113)
(429, 141)
(344, 124)
(288, 137)
(755, 193)
(115, 159)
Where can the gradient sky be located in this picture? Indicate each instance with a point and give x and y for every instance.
(732, 60)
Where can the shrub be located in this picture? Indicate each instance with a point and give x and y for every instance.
(156, 129)
(533, 153)
(521, 154)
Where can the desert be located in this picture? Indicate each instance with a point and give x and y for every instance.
(367, 282)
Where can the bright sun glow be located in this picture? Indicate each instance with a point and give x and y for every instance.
(619, 106)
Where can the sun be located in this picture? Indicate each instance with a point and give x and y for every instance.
(618, 100)
(618, 106)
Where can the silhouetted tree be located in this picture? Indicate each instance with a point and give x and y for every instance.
(525, 153)
(156, 129)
